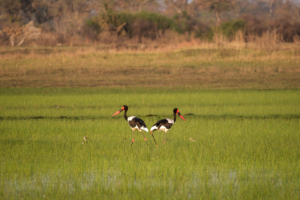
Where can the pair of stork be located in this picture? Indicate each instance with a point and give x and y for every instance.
(136, 123)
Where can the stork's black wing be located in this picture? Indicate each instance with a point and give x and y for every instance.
(139, 122)
(163, 122)
(160, 122)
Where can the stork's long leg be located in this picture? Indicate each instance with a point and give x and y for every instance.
(132, 137)
(144, 136)
(165, 136)
(153, 138)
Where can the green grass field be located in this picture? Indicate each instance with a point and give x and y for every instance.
(234, 144)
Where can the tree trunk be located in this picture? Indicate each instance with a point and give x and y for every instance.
(12, 40)
(21, 42)
(178, 10)
(271, 4)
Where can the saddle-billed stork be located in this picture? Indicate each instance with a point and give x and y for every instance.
(165, 124)
(135, 123)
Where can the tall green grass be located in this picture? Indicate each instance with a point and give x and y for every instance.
(234, 145)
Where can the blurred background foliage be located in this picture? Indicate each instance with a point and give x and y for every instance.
(84, 22)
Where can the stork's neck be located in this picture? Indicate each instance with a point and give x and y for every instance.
(125, 115)
(174, 117)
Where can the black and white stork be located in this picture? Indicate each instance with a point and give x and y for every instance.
(165, 124)
(135, 123)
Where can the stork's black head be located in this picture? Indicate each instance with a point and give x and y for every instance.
(176, 111)
(123, 108)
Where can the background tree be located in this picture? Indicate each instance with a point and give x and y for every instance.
(218, 6)
(242, 7)
(12, 8)
(179, 5)
(133, 5)
(68, 18)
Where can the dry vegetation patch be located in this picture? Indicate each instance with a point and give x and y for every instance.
(199, 68)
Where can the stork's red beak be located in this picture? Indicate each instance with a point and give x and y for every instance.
(118, 111)
(178, 113)
(182, 117)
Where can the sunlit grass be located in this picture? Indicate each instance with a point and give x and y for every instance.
(238, 144)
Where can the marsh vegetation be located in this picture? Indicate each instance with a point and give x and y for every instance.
(234, 144)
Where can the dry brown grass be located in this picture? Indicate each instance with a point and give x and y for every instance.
(221, 64)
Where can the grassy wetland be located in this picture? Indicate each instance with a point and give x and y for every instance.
(240, 139)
